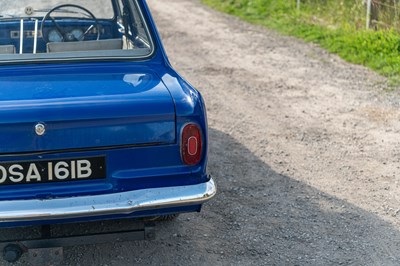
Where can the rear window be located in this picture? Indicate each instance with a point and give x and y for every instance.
(38, 30)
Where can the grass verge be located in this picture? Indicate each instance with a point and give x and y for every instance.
(340, 33)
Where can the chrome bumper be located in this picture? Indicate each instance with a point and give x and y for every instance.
(109, 204)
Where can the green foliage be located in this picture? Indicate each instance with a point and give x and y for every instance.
(336, 25)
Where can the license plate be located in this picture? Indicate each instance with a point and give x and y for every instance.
(12, 173)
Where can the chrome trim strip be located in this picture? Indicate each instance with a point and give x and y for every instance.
(109, 204)
(21, 37)
(101, 148)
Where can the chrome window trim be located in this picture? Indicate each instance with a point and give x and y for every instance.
(110, 55)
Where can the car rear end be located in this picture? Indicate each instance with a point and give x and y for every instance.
(101, 134)
(111, 146)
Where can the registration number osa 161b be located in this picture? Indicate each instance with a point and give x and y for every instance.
(52, 171)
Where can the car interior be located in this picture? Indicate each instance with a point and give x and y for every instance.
(71, 27)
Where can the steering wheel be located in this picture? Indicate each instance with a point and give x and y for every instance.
(67, 36)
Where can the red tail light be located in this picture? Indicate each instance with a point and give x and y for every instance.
(191, 145)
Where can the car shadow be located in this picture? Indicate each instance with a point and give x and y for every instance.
(259, 217)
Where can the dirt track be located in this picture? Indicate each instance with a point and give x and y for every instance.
(304, 148)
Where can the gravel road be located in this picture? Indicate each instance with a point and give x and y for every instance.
(303, 146)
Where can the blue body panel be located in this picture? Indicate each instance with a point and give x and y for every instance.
(83, 107)
(131, 112)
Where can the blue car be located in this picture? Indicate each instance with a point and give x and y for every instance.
(94, 122)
